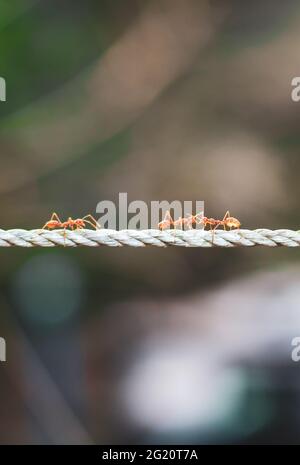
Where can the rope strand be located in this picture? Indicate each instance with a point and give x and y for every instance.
(149, 237)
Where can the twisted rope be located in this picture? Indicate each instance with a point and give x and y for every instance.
(152, 237)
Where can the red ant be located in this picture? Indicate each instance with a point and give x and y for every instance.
(79, 223)
(189, 221)
(227, 222)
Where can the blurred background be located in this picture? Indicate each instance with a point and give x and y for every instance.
(164, 100)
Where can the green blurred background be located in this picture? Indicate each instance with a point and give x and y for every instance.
(164, 99)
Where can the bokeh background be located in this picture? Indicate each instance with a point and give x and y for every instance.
(162, 99)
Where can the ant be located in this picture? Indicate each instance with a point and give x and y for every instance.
(227, 222)
(79, 223)
(189, 221)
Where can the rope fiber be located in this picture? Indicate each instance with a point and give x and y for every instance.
(149, 237)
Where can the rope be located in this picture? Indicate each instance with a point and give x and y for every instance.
(152, 237)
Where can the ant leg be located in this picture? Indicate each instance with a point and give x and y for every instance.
(169, 218)
(189, 221)
(227, 215)
(178, 222)
(65, 235)
(213, 232)
(184, 222)
(54, 217)
(199, 219)
(94, 222)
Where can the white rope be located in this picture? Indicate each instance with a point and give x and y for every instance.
(152, 237)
